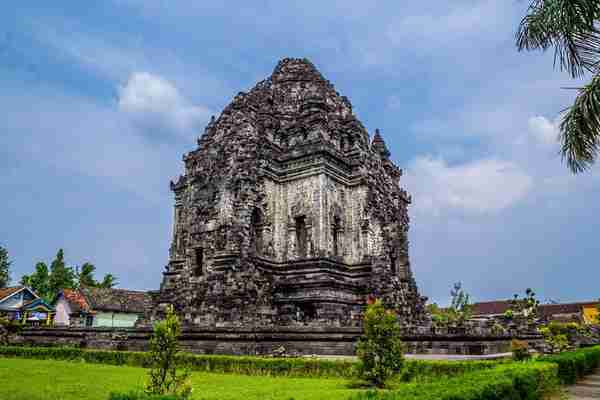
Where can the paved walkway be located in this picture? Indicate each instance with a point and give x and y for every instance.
(587, 389)
(448, 357)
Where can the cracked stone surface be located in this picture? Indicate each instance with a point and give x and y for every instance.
(289, 214)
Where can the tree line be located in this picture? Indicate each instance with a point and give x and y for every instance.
(47, 282)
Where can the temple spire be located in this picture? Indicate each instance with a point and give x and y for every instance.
(378, 144)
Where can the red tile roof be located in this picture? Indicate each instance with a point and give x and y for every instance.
(4, 293)
(544, 310)
(76, 300)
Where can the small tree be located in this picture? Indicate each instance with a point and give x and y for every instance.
(39, 281)
(527, 307)
(85, 277)
(460, 309)
(61, 276)
(163, 376)
(109, 281)
(4, 268)
(380, 350)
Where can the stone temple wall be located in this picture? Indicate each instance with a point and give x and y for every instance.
(295, 340)
(288, 214)
(331, 208)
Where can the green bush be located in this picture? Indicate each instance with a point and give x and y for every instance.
(164, 375)
(243, 365)
(511, 381)
(574, 365)
(380, 350)
(423, 371)
(246, 365)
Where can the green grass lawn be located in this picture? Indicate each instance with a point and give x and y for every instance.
(22, 379)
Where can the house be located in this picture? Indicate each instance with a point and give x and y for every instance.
(22, 303)
(100, 307)
(582, 312)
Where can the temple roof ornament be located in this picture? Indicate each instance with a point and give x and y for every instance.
(378, 144)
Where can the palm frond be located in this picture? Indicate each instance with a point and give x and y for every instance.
(580, 128)
(567, 25)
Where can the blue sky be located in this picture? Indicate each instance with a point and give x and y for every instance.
(100, 100)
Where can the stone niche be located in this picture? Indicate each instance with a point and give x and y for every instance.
(288, 214)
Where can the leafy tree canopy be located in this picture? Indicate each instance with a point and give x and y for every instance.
(571, 28)
(4, 268)
(85, 277)
(39, 281)
(48, 282)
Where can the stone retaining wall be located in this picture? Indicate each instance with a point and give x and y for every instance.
(300, 341)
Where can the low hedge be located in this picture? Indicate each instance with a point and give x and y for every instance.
(291, 367)
(574, 365)
(142, 396)
(424, 370)
(511, 381)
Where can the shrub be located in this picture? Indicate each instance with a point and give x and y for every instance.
(8, 328)
(511, 381)
(163, 375)
(246, 365)
(428, 370)
(520, 350)
(560, 335)
(458, 313)
(527, 307)
(575, 365)
(380, 350)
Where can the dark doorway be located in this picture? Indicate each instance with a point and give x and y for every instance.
(336, 236)
(257, 227)
(301, 236)
(394, 262)
(309, 311)
(199, 260)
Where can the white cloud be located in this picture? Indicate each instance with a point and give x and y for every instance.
(74, 135)
(459, 21)
(543, 130)
(482, 186)
(152, 101)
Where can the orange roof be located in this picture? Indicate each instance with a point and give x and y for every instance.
(76, 299)
(8, 291)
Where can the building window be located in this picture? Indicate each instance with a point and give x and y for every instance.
(336, 236)
(307, 312)
(89, 320)
(199, 260)
(257, 226)
(301, 236)
(394, 262)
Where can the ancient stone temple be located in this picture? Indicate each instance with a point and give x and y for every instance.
(288, 214)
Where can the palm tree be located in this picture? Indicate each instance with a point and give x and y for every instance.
(571, 28)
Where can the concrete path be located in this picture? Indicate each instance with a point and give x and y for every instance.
(587, 389)
(445, 357)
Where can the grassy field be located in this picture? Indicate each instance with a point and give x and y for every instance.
(22, 379)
